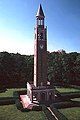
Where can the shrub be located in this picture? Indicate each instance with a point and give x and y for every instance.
(18, 104)
(24, 110)
(37, 108)
(47, 113)
(15, 94)
(57, 113)
(22, 92)
(7, 101)
(2, 89)
(70, 95)
(63, 105)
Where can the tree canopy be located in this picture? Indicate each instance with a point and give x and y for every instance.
(16, 70)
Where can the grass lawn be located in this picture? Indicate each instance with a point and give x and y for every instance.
(62, 90)
(76, 99)
(9, 92)
(71, 113)
(10, 112)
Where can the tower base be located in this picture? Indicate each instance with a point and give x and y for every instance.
(41, 94)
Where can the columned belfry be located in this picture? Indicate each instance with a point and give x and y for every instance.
(40, 50)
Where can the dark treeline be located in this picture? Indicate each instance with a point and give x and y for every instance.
(16, 69)
(64, 67)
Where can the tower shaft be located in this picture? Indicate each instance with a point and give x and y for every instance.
(40, 50)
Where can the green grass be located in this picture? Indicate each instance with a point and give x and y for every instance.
(10, 112)
(76, 99)
(62, 90)
(71, 113)
(9, 92)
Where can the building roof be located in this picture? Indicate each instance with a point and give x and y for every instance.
(40, 11)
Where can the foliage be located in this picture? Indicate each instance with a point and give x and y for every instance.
(63, 105)
(18, 104)
(37, 108)
(64, 68)
(47, 113)
(57, 113)
(15, 94)
(16, 70)
(7, 100)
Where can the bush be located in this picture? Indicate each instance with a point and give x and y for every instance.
(63, 105)
(22, 92)
(16, 94)
(47, 113)
(37, 108)
(7, 101)
(57, 113)
(18, 104)
(24, 110)
(71, 94)
(2, 89)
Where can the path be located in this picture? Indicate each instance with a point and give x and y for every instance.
(52, 113)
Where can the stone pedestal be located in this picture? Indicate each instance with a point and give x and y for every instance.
(43, 94)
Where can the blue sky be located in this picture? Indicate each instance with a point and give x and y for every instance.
(18, 19)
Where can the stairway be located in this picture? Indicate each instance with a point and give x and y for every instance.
(25, 100)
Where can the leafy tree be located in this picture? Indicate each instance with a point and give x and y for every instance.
(16, 69)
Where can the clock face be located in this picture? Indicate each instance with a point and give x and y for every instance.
(41, 46)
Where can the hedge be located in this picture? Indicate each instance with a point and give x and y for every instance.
(2, 90)
(57, 113)
(22, 92)
(47, 113)
(18, 104)
(70, 95)
(7, 100)
(16, 94)
(24, 110)
(64, 105)
(37, 108)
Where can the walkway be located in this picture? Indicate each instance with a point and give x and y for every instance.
(52, 113)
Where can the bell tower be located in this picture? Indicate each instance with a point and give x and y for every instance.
(40, 50)
(39, 91)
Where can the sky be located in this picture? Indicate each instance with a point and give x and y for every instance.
(18, 19)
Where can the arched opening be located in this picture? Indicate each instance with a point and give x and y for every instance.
(40, 21)
(42, 98)
(50, 96)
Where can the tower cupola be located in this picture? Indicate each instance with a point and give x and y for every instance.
(40, 17)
